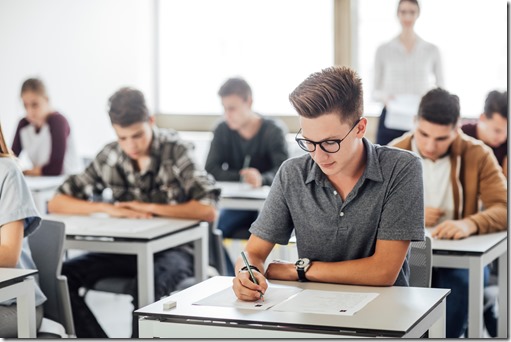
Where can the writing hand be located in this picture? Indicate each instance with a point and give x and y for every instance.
(36, 171)
(252, 176)
(245, 289)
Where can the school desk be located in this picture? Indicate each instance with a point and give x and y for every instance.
(16, 283)
(140, 237)
(396, 312)
(474, 253)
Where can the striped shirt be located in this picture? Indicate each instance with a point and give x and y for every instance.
(398, 71)
(171, 178)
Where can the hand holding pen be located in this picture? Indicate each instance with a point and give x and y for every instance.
(250, 175)
(249, 285)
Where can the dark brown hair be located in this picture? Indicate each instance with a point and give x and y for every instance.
(440, 107)
(496, 102)
(127, 107)
(34, 85)
(236, 86)
(335, 89)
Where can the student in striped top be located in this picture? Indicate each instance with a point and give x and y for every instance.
(44, 135)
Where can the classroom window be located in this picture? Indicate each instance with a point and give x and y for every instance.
(274, 45)
(471, 36)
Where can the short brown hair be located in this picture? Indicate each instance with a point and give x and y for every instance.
(236, 86)
(127, 107)
(496, 102)
(34, 85)
(335, 89)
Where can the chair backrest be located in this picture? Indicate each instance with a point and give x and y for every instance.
(420, 263)
(216, 249)
(47, 247)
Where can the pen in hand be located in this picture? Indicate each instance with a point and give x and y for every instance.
(254, 280)
(246, 165)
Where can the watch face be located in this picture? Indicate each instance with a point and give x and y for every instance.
(302, 263)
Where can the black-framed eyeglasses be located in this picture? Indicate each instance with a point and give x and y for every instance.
(327, 145)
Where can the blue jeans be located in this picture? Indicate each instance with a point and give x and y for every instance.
(170, 267)
(235, 224)
(457, 301)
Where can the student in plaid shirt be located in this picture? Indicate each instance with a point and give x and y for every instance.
(150, 172)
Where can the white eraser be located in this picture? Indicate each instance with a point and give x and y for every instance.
(169, 305)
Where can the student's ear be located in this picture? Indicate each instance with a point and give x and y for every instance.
(361, 127)
(249, 101)
(482, 117)
(151, 120)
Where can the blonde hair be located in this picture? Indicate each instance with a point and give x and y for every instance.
(4, 150)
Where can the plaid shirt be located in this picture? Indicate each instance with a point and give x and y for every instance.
(171, 178)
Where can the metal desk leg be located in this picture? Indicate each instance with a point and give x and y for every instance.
(145, 276)
(475, 297)
(201, 253)
(26, 310)
(437, 330)
(503, 304)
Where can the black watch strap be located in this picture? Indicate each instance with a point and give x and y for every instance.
(252, 267)
(301, 274)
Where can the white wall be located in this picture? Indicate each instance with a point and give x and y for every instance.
(84, 50)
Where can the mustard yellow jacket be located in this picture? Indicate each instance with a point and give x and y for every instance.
(475, 175)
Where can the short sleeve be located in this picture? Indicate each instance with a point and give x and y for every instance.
(274, 223)
(402, 216)
(16, 202)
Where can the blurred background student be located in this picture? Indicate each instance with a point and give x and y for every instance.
(18, 219)
(404, 68)
(491, 128)
(44, 135)
(246, 147)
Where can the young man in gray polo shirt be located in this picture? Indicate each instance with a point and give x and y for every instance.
(354, 206)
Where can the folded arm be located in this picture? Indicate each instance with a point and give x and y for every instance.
(380, 269)
(189, 210)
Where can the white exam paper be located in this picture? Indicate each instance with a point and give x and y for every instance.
(326, 302)
(401, 111)
(227, 298)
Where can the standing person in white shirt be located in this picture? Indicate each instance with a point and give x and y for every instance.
(404, 69)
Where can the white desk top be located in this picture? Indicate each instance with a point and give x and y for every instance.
(243, 190)
(13, 275)
(124, 228)
(44, 182)
(394, 312)
(475, 244)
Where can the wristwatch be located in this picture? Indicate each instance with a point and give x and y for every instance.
(302, 265)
